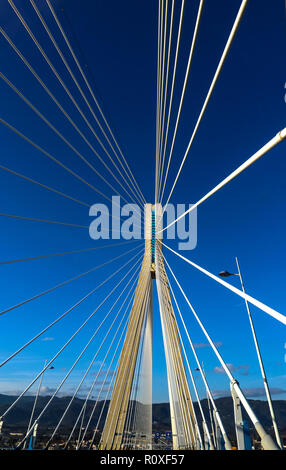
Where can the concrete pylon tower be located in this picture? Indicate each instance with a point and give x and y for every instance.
(181, 408)
(183, 422)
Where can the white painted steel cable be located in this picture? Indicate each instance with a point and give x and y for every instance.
(109, 388)
(197, 397)
(15, 173)
(103, 361)
(174, 398)
(64, 346)
(44, 24)
(189, 369)
(183, 430)
(212, 86)
(60, 135)
(80, 441)
(98, 350)
(69, 372)
(69, 310)
(47, 154)
(160, 7)
(4, 34)
(270, 311)
(188, 365)
(55, 160)
(268, 146)
(266, 438)
(141, 418)
(174, 76)
(122, 384)
(63, 253)
(196, 357)
(34, 405)
(136, 380)
(165, 92)
(125, 366)
(195, 34)
(57, 286)
(134, 391)
(92, 93)
(106, 376)
(69, 94)
(34, 219)
(59, 193)
(163, 59)
(106, 396)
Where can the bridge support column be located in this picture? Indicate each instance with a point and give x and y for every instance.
(181, 409)
(114, 426)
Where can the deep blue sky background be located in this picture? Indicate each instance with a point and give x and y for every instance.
(117, 45)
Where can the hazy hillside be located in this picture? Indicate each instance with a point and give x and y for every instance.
(19, 416)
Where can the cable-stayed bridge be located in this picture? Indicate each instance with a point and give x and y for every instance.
(119, 313)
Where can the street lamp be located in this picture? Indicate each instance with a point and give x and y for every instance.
(227, 274)
(263, 373)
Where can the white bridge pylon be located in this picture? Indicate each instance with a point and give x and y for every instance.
(184, 426)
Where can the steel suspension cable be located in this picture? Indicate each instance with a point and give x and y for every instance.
(188, 365)
(104, 403)
(261, 365)
(44, 24)
(63, 111)
(59, 134)
(195, 33)
(26, 178)
(34, 405)
(60, 285)
(98, 350)
(64, 346)
(270, 311)
(125, 366)
(69, 372)
(91, 91)
(189, 434)
(165, 93)
(197, 397)
(134, 391)
(47, 154)
(228, 445)
(281, 136)
(69, 94)
(116, 368)
(161, 95)
(132, 423)
(134, 375)
(8, 170)
(34, 219)
(79, 444)
(138, 421)
(69, 310)
(267, 441)
(173, 77)
(212, 86)
(52, 255)
(160, 7)
(103, 363)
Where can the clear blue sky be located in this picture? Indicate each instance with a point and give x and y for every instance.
(117, 45)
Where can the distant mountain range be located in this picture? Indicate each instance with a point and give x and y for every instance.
(19, 416)
(161, 415)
